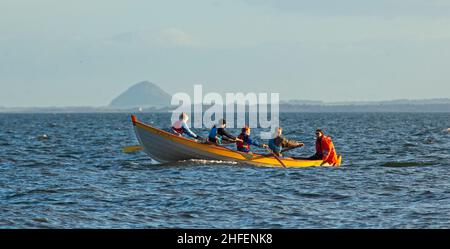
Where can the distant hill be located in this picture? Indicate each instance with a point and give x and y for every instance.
(301, 102)
(401, 105)
(148, 97)
(143, 94)
(437, 101)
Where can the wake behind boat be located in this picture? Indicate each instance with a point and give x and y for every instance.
(166, 147)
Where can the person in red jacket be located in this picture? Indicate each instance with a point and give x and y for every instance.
(325, 149)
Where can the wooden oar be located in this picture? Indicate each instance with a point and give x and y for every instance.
(275, 155)
(248, 156)
(132, 148)
(282, 151)
(290, 148)
(229, 141)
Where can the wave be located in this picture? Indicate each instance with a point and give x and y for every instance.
(205, 162)
(406, 164)
(193, 162)
(409, 144)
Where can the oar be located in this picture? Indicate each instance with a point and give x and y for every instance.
(290, 148)
(132, 148)
(275, 155)
(282, 151)
(229, 141)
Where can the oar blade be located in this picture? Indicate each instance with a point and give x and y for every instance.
(132, 148)
(276, 157)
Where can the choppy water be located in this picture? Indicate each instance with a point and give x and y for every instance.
(395, 174)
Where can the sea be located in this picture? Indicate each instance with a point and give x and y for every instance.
(69, 171)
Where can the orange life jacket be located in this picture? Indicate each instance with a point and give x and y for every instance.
(325, 148)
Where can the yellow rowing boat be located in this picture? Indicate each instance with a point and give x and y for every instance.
(167, 147)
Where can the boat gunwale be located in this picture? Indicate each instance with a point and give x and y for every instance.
(255, 156)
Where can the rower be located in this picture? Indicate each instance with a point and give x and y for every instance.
(324, 149)
(277, 143)
(244, 145)
(180, 126)
(218, 134)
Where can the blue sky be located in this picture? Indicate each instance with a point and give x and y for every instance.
(84, 53)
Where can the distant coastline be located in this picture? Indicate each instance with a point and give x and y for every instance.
(431, 105)
(148, 97)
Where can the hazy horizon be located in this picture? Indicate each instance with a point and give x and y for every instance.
(83, 53)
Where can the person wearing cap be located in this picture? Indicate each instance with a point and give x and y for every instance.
(244, 145)
(181, 127)
(277, 143)
(324, 149)
(218, 134)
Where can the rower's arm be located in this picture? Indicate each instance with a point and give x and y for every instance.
(226, 134)
(188, 131)
(252, 142)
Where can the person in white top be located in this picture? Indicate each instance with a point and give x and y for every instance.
(181, 127)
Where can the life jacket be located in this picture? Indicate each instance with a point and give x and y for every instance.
(242, 146)
(325, 147)
(177, 127)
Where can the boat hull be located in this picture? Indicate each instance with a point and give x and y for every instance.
(166, 147)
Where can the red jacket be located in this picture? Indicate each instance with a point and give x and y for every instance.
(325, 147)
(242, 146)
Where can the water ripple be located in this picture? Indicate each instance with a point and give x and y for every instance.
(395, 167)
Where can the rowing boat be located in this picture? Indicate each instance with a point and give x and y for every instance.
(165, 147)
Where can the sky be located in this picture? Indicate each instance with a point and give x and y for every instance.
(85, 53)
